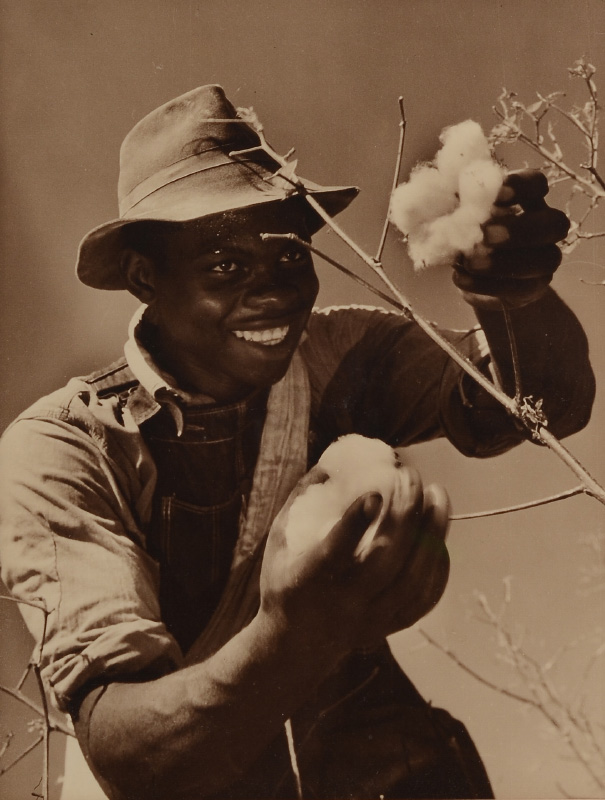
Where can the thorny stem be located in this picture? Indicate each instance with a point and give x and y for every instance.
(21, 698)
(536, 680)
(593, 488)
(512, 343)
(521, 506)
(22, 755)
(535, 701)
(46, 716)
(6, 743)
(43, 710)
(470, 671)
(551, 157)
(387, 221)
(292, 237)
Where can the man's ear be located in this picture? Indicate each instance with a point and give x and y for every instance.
(139, 272)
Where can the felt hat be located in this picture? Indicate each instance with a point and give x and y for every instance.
(180, 163)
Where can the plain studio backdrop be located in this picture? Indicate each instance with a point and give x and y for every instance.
(323, 77)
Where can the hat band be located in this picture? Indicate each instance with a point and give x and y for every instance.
(178, 171)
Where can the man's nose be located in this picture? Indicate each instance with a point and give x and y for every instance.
(270, 289)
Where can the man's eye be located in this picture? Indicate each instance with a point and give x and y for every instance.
(225, 267)
(294, 256)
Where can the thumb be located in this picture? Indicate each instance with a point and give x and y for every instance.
(346, 534)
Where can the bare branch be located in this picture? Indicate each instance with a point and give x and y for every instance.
(22, 755)
(387, 222)
(521, 506)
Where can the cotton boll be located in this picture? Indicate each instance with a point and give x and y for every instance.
(355, 466)
(426, 196)
(479, 184)
(462, 144)
(432, 244)
(468, 180)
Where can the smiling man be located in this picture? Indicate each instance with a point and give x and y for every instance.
(195, 655)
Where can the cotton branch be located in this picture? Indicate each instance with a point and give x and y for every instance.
(585, 742)
(525, 123)
(43, 722)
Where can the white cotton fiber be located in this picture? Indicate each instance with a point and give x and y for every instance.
(355, 465)
(443, 205)
(463, 144)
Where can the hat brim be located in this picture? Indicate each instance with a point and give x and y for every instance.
(99, 254)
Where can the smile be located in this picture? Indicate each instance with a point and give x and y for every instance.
(268, 337)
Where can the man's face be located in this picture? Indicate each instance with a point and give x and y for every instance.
(230, 308)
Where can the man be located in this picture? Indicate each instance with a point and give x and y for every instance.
(196, 657)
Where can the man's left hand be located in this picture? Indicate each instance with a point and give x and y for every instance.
(514, 264)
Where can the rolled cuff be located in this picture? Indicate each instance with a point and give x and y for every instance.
(121, 650)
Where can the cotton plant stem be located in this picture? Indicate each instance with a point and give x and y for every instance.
(46, 715)
(292, 237)
(46, 736)
(521, 506)
(588, 186)
(534, 702)
(593, 488)
(387, 221)
(41, 710)
(21, 698)
(22, 755)
(512, 343)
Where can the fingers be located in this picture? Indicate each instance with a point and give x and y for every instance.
(421, 582)
(495, 293)
(526, 187)
(533, 228)
(522, 264)
(515, 263)
(381, 556)
(402, 518)
(436, 512)
(344, 537)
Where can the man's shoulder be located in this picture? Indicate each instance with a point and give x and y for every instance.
(342, 327)
(89, 403)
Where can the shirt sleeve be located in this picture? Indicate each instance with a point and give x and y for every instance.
(68, 543)
(377, 373)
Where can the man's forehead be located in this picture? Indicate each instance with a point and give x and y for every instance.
(236, 225)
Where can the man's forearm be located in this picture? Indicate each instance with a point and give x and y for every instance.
(553, 359)
(193, 732)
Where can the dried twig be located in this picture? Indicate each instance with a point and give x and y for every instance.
(43, 721)
(524, 123)
(575, 730)
(387, 222)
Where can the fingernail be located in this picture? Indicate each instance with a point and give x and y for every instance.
(371, 505)
(506, 194)
(495, 234)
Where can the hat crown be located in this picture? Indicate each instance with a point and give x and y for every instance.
(181, 128)
(182, 162)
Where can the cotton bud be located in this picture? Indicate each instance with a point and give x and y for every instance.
(355, 465)
(443, 205)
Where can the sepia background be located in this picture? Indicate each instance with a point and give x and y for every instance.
(323, 77)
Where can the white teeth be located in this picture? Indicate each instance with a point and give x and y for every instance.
(270, 336)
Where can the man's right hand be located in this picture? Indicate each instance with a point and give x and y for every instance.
(332, 598)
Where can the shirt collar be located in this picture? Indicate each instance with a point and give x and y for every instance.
(159, 384)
